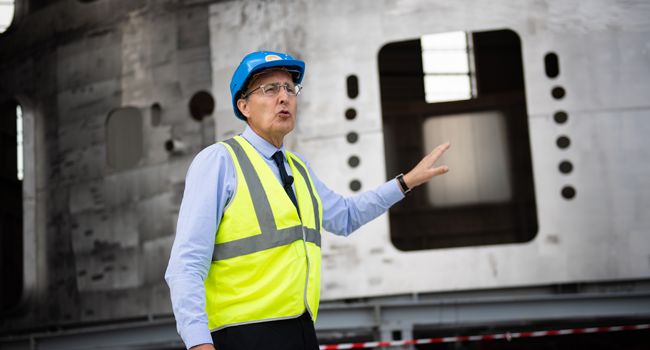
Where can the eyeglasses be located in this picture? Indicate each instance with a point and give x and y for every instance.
(273, 89)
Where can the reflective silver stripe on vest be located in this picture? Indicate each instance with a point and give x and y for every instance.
(314, 202)
(253, 244)
(312, 236)
(270, 237)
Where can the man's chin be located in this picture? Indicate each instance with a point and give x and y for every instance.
(287, 129)
(285, 125)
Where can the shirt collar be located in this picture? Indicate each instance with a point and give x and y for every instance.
(262, 146)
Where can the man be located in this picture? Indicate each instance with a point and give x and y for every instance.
(244, 271)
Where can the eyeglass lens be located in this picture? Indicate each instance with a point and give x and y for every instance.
(274, 88)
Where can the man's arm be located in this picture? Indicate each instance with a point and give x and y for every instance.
(209, 185)
(342, 216)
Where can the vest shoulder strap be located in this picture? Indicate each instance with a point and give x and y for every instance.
(302, 169)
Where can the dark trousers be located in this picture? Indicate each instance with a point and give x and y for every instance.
(292, 334)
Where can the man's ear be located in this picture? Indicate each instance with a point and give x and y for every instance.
(242, 104)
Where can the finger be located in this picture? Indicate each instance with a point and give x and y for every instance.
(438, 151)
(440, 170)
(442, 146)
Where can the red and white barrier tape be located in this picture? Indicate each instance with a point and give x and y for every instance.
(507, 336)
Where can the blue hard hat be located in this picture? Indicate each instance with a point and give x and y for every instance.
(259, 61)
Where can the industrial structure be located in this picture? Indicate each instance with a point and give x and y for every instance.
(543, 221)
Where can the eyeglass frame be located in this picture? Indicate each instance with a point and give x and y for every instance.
(298, 88)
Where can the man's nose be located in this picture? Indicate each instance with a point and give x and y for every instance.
(283, 96)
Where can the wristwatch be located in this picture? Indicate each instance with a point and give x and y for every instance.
(405, 188)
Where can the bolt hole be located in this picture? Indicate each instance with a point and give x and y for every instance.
(354, 161)
(568, 192)
(560, 117)
(350, 114)
(566, 167)
(355, 185)
(558, 92)
(563, 142)
(353, 137)
(201, 105)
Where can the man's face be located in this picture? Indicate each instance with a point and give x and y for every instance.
(271, 117)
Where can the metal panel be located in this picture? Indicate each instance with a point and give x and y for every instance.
(595, 236)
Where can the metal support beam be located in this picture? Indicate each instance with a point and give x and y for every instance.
(140, 336)
(385, 316)
(477, 311)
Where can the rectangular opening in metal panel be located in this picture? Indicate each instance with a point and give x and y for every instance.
(488, 195)
(447, 66)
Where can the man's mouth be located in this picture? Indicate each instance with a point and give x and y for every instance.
(284, 113)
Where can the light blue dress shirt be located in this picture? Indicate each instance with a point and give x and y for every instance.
(209, 186)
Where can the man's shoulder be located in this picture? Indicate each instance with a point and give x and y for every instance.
(300, 157)
(213, 153)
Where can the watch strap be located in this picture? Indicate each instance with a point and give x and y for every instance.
(402, 183)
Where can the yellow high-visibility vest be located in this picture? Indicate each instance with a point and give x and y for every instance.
(266, 260)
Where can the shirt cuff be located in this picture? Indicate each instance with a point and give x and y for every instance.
(392, 192)
(196, 334)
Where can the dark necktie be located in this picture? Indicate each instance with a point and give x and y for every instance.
(287, 180)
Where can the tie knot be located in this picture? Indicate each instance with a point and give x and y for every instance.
(278, 157)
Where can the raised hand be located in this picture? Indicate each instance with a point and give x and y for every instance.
(425, 170)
